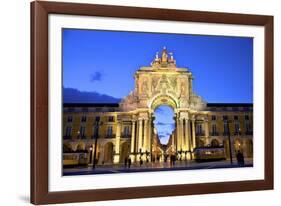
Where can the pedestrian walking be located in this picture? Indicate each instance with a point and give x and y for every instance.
(240, 158)
(141, 162)
(129, 162)
(126, 160)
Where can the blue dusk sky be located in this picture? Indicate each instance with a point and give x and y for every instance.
(98, 66)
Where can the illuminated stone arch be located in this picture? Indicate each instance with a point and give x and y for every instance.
(249, 147)
(108, 152)
(67, 147)
(215, 143)
(81, 146)
(163, 100)
(200, 143)
(125, 151)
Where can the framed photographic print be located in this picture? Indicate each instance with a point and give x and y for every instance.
(133, 102)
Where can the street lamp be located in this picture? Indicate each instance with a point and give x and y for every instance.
(229, 142)
(91, 153)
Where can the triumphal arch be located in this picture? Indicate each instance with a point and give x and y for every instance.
(127, 128)
(162, 83)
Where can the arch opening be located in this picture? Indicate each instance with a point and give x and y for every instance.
(108, 153)
(164, 123)
(125, 151)
(163, 100)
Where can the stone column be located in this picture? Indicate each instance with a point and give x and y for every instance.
(117, 143)
(140, 135)
(173, 141)
(207, 132)
(178, 135)
(193, 134)
(183, 138)
(133, 141)
(145, 140)
(182, 142)
(149, 136)
(187, 138)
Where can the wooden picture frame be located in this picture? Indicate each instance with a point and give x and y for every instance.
(40, 193)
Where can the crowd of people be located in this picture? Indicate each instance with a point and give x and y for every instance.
(173, 159)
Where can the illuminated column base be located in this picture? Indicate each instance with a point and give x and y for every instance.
(133, 158)
(143, 157)
(188, 156)
(192, 155)
(116, 158)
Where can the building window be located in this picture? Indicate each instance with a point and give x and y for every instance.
(214, 117)
(237, 128)
(225, 128)
(82, 131)
(83, 119)
(224, 117)
(97, 118)
(69, 119)
(199, 130)
(126, 131)
(249, 130)
(235, 117)
(246, 117)
(94, 130)
(109, 131)
(111, 119)
(68, 131)
(214, 130)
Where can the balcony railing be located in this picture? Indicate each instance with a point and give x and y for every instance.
(110, 136)
(237, 133)
(126, 135)
(249, 133)
(214, 134)
(226, 133)
(93, 136)
(67, 137)
(200, 133)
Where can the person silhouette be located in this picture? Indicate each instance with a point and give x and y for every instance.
(125, 162)
(129, 162)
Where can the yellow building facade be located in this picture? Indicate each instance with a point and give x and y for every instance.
(126, 129)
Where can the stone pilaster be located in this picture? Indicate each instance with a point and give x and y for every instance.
(207, 139)
(193, 134)
(178, 135)
(187, 137)
(117, 142)
(182, 142)
(140, 144)
(149, 136)
(133, 141)
(145, 140)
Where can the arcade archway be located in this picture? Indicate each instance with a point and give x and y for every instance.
(125, 151)
(108, 153)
